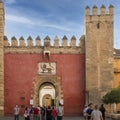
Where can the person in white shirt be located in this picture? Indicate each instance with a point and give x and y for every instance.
(84, 111)
(16, 112)
(96, 114)
(60, 112)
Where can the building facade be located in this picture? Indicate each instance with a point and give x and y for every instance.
(48, 74)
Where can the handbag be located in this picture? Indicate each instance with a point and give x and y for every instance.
(25, 115)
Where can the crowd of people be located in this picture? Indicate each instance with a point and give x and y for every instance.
(90, 112)
(40, 113)
(94, 112)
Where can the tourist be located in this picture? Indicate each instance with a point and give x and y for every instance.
(27, 113)
(16, 112)
(31, 112)
(49, 117)
(39, 112)
(60, 112)
(96, 114)
(43, 113)
(89, 111)
(54, 113)
(36, 113)
(84, 111)
(102, 109)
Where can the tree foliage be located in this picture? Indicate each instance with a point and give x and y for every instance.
(112, 97)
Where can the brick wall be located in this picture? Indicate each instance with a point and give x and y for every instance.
(21, 69)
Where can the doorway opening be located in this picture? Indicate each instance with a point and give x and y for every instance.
(47, 95)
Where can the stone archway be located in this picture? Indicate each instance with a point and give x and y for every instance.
(41, 80)
(47, 94)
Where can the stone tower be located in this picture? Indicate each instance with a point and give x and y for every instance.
(99, 52)
(1, 58)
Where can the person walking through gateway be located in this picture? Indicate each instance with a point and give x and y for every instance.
(16, 112)
(60, 112)
(96, 114)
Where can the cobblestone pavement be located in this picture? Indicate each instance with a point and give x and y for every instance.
(65, 118)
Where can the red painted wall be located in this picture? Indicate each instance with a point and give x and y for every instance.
(20, 70)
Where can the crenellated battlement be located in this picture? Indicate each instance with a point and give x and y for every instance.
(29, 46)
(95, 15)
(103, 10)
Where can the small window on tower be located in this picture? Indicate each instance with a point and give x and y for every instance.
(98, 25)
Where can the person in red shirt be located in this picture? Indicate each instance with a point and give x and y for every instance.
(54, 113)
(36, 113)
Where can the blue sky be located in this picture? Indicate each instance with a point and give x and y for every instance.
(53, 17)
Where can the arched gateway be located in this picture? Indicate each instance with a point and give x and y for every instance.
(47, 94)
(46, 90)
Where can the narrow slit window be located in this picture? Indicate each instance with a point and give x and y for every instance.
(98, 25)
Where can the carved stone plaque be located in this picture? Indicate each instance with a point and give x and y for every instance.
(47, 68)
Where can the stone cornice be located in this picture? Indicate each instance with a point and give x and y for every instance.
(41, 49)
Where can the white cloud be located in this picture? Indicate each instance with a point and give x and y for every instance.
(10, 1)
(41, 22)
(54, 26)
(18, 19)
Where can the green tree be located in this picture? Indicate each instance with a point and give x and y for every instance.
(112, 97)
